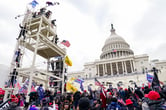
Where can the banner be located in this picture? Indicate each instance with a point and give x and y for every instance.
(68, 61)
(5, 105)
(70, 87)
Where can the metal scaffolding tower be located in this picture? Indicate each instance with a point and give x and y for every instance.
(40, 40)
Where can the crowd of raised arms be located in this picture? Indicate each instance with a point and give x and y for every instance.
(137, 98)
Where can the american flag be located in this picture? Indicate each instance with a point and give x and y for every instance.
(114, 50)
(97, 83)
(66, 43)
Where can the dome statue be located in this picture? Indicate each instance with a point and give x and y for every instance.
(115, 46)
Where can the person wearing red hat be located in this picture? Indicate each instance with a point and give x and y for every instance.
(108, 100)
(155, 102)
(153, 95)
(129, 104)
(84, 94)
(13, 103)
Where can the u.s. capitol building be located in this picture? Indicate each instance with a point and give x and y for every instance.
(118, 64)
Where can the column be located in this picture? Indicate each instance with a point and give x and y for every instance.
(131, 65)
(103, 70)
(117, 68)
(134, 65)
(111, 69)
(122, 67)
(125, 66)
(98, 70)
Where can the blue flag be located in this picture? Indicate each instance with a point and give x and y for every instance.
(149, 77)
(34, 3)
(79, 80)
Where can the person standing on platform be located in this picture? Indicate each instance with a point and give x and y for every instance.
(48, 14)
(52, 65)
(55, 39)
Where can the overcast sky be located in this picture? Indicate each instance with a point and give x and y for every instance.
(86, 25)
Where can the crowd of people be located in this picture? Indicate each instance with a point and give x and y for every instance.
(137, 98)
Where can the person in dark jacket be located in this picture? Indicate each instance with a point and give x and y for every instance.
(84, 103)
(22, 32)
(139, 93)
(76, 96)
(96, 104)
(44, 104)
(146, 90)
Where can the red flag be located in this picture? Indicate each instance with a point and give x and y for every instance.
(18, 85)
(103, 98)
(66, 43)
(33, 89)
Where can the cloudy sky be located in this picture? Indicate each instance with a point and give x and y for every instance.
(87, 23)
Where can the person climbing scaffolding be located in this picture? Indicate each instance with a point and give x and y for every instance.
(13, 77)
(22, 32)
(18, 57)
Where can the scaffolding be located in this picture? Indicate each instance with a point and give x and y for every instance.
(40, 40)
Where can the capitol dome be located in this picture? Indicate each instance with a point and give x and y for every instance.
(115, 46)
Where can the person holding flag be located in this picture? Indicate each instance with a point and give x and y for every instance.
(155, 82)
(103, 96)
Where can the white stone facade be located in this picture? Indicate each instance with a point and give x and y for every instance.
(118, 63)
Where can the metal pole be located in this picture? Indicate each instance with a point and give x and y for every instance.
(33, 62)
(63, 71)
